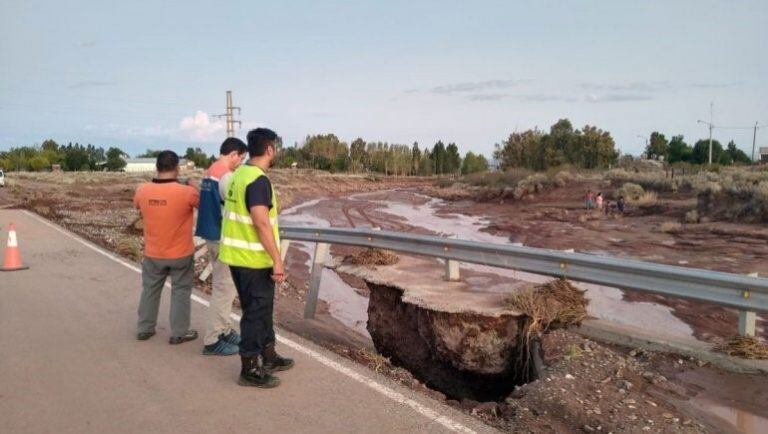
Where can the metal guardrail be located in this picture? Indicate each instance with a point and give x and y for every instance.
(746, 293)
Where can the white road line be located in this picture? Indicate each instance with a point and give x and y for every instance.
(336, 366)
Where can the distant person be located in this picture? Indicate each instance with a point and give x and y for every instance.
(620, 204)
(220, 338)
(250, 243)
(589, 199)
(167, 208)
(599, 201)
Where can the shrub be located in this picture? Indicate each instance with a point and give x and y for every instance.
(692, 216)
(671, 227)
(631, 191)
(647, 199)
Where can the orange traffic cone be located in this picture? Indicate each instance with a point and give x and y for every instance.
(12, 254)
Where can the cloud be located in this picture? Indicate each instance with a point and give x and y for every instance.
(652, 86)
(616, 97)
(487, 97)
(200, 127)
(715, 85)
(91, 83)
(476, 86)
(87, 44)
(539, 97)
(633, 86)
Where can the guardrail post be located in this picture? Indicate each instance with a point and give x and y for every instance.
(747, 319)
(284, 244)
(318, 264)
(452, 270)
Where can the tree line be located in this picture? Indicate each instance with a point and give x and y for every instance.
(677, 151)
(588, 148)
(328, 152)
(76, 157)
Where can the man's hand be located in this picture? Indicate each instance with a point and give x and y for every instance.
(278, 272)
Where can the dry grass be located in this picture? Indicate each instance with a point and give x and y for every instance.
(373, 257)
(647, 199)
(129, 247)
(692, 216)
(746, 347)
(671, 227)
(555, 304)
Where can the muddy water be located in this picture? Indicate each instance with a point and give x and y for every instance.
(405, 210)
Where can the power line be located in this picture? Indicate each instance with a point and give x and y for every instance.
(712, 126)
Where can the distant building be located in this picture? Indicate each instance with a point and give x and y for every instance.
(140, 165)
(149, 164)
(764, 155)
(494, 165)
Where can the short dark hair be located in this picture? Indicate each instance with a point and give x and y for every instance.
(258, 141)
(167, 161)
(232, 144)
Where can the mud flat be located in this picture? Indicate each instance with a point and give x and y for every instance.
(459, 340)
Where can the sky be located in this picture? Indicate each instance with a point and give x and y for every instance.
(140, 74)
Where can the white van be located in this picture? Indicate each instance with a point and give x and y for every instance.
(2, 178)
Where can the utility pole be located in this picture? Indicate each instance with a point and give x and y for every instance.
(711, 126)
(754, 139)
(230, 116)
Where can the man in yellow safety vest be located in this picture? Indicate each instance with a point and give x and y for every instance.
(250, 243)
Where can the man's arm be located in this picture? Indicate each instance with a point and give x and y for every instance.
(260, 219)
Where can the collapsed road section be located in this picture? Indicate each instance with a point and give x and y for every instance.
(459, 339)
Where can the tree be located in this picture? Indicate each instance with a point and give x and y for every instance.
(439, 157)
(357, 154)
(700, 154)
(452, 159)
(326, 152)
(658, 147)
(76, 157)
(473, 163)
(197, 156)
(416, 159)
(115, 159)
(679, 151)
(736, 154)
(38, 163)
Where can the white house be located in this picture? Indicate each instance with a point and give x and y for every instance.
(140, 165)
(763, 155)
(149, 164)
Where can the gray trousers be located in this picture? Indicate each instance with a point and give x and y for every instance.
(153, 274)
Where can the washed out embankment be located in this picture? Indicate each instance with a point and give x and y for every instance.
(458, 339)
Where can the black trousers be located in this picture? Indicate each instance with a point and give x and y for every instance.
(257, 300)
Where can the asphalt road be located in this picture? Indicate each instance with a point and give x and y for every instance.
(69, 361)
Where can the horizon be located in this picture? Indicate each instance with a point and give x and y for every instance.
(394, 73)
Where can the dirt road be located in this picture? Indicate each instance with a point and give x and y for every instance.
(70, 361)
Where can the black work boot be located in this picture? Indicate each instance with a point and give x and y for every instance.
(274, 362)
(254, 374)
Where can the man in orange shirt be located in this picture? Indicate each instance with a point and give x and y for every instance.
(167, 208)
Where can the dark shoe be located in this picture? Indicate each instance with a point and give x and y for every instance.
(220, 348)
(191, 335)
(231, 338)
(275, 362)
(143, 336)
(253, 374)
